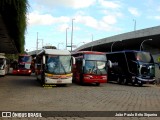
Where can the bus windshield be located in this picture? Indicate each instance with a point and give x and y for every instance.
(95, 57)
(95, 67)
(24, 59)
(1, 61)
(144, 57)
(58, 64)
(95, 64)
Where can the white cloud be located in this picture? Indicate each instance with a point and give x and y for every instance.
(106, 23)
(109, 4)
(157, 17)
(134, 11)
(35, 18)
(76, 4)
(87, 20)
(109, 19)
(62, 28)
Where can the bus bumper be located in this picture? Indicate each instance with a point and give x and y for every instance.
(58, 81)
(145, 81)
(2, 72)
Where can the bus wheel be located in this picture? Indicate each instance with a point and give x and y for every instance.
(97, 84)
(133, 83)
(140, 84)
(119, 80)
(125, 81)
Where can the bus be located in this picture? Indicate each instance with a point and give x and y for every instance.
(54, 66)
(90, 67)
(23, 65)
(130, 66)
(4, 65)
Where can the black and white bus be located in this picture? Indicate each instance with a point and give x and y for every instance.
(130, 66)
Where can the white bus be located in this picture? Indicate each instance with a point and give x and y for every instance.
(54, 66)
(4, 65)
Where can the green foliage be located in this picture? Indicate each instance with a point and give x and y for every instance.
(14, 13)
(12, 56)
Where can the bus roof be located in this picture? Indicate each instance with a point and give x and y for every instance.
(88, 52)
(54, 52)
(1, 56)
(125, 51)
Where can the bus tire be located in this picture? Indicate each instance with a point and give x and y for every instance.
(125, 81)
(140, 84)
(97, 84)
(119, 81)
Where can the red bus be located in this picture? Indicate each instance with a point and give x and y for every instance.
(24, 65)
(90, 67)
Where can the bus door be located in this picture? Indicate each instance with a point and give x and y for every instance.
(79, 69)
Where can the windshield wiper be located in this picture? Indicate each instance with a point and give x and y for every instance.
(63, 67)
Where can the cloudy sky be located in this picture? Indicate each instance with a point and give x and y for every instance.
(93, 20)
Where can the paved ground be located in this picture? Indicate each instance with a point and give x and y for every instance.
(24, 93)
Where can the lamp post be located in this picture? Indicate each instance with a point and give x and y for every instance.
(38, 43)
(141, 46)
(134, 24)
(79, 43)
(66, 37)
(59, 44)
(42, 42)
(92, 37)
(72, 34)
(113, 44)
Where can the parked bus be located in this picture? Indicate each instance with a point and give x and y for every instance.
(136, 67)
(90, 67)
(54, 66)
(4, 65)
(23, 65)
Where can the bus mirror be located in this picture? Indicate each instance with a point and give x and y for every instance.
(109, 64)
(83, 63)
(44, 59)
(158, 64)
(73, 60)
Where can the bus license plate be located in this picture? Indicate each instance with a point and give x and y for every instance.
(59, 81)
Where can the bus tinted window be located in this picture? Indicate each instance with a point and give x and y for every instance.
(95, 67)
(95, 57)
(1, 61)
(24, 59)
(144, 57)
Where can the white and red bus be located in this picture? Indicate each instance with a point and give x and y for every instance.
(90, 67)
(24, 65)
(53, 66)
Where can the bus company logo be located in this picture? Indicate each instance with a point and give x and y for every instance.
(6, 114)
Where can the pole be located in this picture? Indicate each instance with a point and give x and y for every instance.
(113, 44)
(72, 34)
(134, 24)
(37, 44)
(141, 46)
(66, 37)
